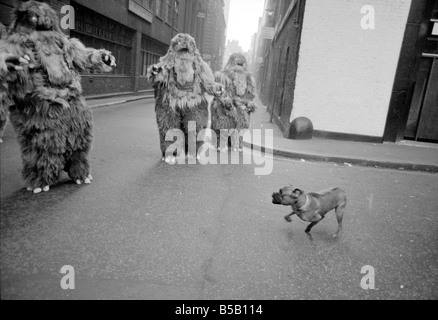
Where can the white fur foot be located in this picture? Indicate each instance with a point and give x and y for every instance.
(170, 160)
(86, 180)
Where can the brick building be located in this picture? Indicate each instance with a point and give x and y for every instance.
(137, 32)
(213, 43)
(359, 70)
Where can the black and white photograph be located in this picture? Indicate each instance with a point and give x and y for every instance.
(219, 158)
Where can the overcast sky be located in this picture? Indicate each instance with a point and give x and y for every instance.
(244, 20)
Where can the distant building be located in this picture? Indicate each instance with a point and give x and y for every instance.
(213, 44)
(359, 70)
(232, 46)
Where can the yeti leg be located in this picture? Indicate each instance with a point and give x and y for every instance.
(168, 120)
(199, 115)
(42, 164)
(78, 168)
(3, 121)
(79, 142)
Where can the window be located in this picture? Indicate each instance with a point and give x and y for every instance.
(151, 52)
(158, 5)
(145, 3)
(168, 11)
(97, 31)
(175, 14)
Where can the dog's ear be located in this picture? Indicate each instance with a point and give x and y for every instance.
(297, 192)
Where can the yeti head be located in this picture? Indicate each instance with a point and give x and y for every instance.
(183, 44)
(236, 60)
(34, 16)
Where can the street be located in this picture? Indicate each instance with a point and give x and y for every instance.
(147, 230)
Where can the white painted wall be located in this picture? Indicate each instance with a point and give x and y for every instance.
(346, 74)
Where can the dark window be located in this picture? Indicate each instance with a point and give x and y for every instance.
(151, 51)
(100, 32)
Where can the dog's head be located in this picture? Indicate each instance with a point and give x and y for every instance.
(33, 15)
(287, 196)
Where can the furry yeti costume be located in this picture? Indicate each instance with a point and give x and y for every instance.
(181, 81)
(3, 107)
(40, 81)
(241, 90)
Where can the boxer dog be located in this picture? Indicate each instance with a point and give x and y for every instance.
(313, 206)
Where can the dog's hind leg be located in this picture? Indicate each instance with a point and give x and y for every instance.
(340, 209)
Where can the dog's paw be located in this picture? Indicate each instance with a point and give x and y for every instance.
(288, 218)
(86, 180)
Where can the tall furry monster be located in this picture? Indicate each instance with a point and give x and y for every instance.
(3, 107)
(40, 81)
(240, 89)
(181, 81)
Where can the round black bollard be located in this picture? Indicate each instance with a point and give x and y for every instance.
(301, 129)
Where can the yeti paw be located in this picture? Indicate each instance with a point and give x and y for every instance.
(86, 180)
(156, 70)
(39, 190)
(16, 63)
(170, 160)
(109, 59)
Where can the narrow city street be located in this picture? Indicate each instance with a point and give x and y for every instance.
(147, 230)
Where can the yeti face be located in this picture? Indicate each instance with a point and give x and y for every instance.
(183, 44)
(33, 15)
(237, 59)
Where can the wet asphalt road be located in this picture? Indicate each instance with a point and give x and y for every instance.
(146, 230)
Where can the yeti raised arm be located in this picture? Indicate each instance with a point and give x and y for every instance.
(90, 59)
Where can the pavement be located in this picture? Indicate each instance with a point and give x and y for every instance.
(145, 230)
(405, 155)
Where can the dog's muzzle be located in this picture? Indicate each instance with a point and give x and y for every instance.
(276, 198)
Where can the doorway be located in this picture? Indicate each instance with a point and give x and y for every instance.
(422, 124)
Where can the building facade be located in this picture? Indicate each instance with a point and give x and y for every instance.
(359, 70)
(213, 43)
(137, 32)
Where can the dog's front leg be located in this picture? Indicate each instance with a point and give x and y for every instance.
(288, 218)
(316, 220)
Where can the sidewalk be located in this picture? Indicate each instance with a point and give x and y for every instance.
(102, 101)
(400, 156)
